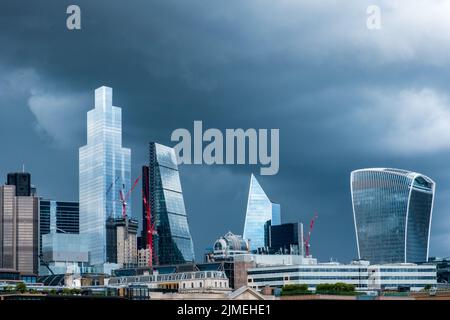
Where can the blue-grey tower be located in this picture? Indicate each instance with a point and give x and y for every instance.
(392, 211)
(104, 168)
(172, 242)
(259, 210)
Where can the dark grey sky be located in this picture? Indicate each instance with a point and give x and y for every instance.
(344, 97)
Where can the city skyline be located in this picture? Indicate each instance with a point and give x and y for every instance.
(343, 97)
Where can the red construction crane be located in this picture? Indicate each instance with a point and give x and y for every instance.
(150, 230)
(150, 227)
(308, 238)
(124, 199)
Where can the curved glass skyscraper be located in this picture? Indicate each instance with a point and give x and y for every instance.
(392, 211)
(172, 242)
(259, 210)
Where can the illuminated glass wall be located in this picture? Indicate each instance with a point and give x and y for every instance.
(104, 168)
(392, 213)
(259, 210)
(173, 242)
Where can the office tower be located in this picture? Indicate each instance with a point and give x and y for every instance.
(22, 181)
(104, 169)
(286, 238)
(66, 215)
(143, 257)
(61, 252)
(18, 231)
(392, 212)
(259, 210)
(126, 237)
(172, 243)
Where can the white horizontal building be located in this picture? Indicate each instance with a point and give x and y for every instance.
(361, 274)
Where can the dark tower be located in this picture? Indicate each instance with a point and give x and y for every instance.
(22, 181)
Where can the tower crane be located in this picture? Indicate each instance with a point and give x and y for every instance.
(150, 225)
(307, 239)
(124, 198)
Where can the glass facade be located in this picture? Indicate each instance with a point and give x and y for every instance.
(173, 242)
(392, 211)
(259, 210)
(105, 168)
(65, 213)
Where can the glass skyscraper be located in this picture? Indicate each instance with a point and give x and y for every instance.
(259, 210)
(104, 169)
(172, 242)
(392, 211)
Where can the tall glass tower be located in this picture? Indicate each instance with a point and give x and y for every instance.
(104, 169)
(259, 210)
(172, 242)
(392, 211)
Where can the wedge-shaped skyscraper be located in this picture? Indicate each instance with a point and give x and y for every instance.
(172, 242)
(392, 210)
(259, 210)
(104, 168)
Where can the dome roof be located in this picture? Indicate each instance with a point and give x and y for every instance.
(231, 242)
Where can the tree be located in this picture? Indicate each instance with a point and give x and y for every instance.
(335, 288)
(294, 289)
(21, 287)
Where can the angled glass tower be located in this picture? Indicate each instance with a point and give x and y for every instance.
(173, 242)
(259, 210)
(392, 211)
(104, 169)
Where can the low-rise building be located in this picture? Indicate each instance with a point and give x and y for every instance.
(267, 271)
(182, 282)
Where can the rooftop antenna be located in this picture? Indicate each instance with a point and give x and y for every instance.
(23, 167)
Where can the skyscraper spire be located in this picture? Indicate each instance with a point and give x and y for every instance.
(259, 210)
(102, 160)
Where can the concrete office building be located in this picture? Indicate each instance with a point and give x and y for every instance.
(18, 228)
(143, 257)
(122, 239)
(392, 211)
(277, 271)
(126, 231)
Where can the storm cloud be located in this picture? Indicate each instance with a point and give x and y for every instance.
(343, 96)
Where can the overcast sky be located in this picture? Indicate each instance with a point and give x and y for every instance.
(344, 97)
